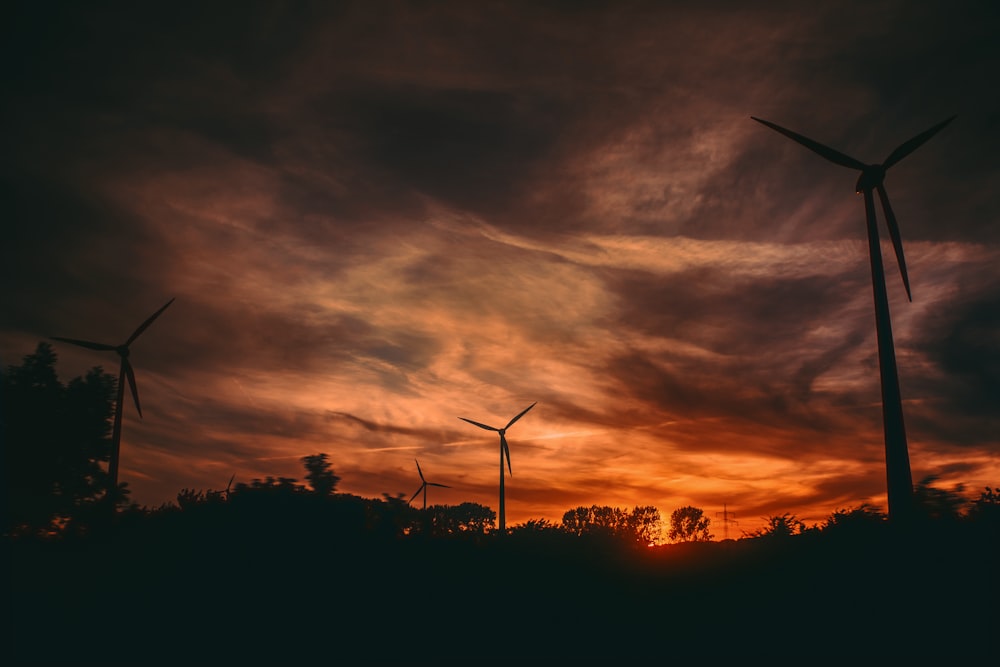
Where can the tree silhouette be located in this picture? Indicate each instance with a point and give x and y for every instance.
(779, 527)
(320, 474)
(53, 439)
(645, 525)
(863, 519)
(986, 508)
(641, 525)
(688, 524)
(467, 519)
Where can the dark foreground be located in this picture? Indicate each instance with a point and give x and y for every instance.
(188, 598)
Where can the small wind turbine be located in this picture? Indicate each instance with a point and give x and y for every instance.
(423, 485)
(124, 372)
(897, 459)
(504, 451)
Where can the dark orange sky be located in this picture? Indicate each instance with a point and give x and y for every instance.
(379, 217)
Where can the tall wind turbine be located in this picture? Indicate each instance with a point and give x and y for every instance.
(504, 451)
(897, 459)
(423, 485)
(124, 372)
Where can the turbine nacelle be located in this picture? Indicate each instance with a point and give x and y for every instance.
(871, 178)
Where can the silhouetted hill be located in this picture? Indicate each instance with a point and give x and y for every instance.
(181, 593)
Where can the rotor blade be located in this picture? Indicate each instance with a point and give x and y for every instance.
(443, 486)
(488, 428)
(833, 156)
(230, 482)
(506, 451)
(521, 414)
(419, 471)
(897, 242)
(913, 144)
(131, 383)
(85, 343)
(415, 494)
(145, 325)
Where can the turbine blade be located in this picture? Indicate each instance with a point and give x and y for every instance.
(419, 471)
(897, 242)
(488, 428)
(521, 414)
(443, 486)
(85, 343)
(131, 383)
(913, 144)
(506, 451)
(230, 482)
(833, 156)
(415, 494)
(145, 325)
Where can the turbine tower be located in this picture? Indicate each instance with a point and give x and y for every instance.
(423, 485)
(899, 481)
(504, 451)
(124, 372)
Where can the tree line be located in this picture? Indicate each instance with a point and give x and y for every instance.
(55, 439)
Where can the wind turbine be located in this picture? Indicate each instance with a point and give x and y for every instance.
(226, 492)
(423, 486)
(899, 481)
(124, 372)
(504, 451)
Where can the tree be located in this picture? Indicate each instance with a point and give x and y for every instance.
(535, 526)
(779, 527)
(645, 525)
(986, 508)
(688, 524)
(862, 519)
(641, 525)
(463, 519)
(594, 520)
(53, 440)
(320, 474)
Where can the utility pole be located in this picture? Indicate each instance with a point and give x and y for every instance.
(726, 520)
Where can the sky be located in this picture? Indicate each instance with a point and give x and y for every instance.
(378, 217)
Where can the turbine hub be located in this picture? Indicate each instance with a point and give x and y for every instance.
(871, 177)
(122, 351)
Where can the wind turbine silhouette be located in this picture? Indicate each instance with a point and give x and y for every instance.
(124, 372)
(899, 481)
(504, 451)
(423, 486)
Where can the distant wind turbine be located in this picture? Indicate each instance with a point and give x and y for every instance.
(897, 459)
(504, 451)
(423, 485)
(124, 372)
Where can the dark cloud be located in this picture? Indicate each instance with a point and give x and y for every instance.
(962, 341)
(735, 317)
(469, 147)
